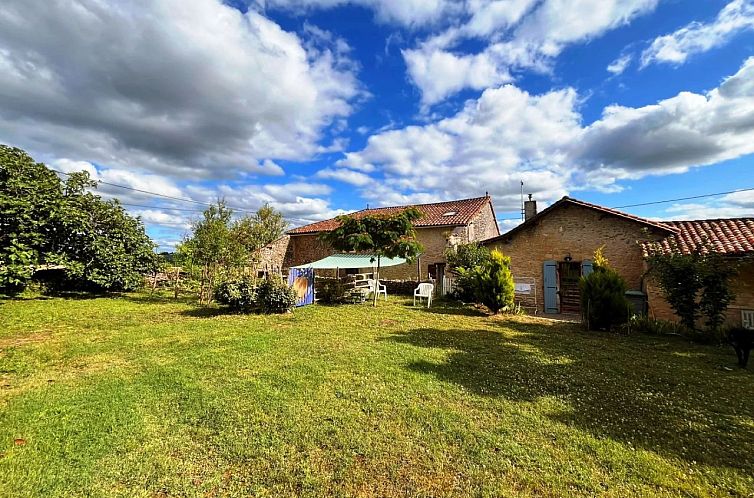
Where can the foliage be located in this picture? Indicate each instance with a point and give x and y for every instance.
(274, 296)
(392, 236)
(239, 295)
(678, 276)
(603, 295)
(143, 392)
(600, 260)
(716, 274)
(263, 227)
(44, 221)
(652, 326)
(695, 283)
(603, 299)
(331, 291)
(466, 257)
(222, 247)
(492, 282)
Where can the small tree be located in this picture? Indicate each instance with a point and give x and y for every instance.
(603, 299)
(716, 273)
(678, 277)
(212, 247)
(466, 257)
(392, 236)
(696, 283)
(492, 282)
(254, 232)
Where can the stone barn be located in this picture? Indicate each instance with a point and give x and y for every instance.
(552, 249)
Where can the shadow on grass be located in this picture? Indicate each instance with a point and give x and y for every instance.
(209, 312)
(621, 388)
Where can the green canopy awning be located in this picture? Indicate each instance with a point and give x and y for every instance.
(351, 261)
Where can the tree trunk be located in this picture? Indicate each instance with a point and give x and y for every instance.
(376, 282)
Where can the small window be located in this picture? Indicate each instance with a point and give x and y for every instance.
(450, 213)
(747, 319)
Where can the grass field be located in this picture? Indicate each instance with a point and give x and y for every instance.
(135, 396)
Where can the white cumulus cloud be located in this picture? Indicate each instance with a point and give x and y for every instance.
(675, 48)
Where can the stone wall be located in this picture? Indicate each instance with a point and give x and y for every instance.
(742, 285)
(578, 231)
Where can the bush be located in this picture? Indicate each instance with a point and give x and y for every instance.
(652, 326)
(331, 291)
(240, 295)
(465, 257)
(492, 282)
(274, 296)
(603, 299)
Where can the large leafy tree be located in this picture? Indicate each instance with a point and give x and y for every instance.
(46, 221)
(391, 236)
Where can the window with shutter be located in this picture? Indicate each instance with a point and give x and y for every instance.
(747, 319)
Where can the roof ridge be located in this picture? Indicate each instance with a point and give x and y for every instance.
(427, 203)
(700, 220)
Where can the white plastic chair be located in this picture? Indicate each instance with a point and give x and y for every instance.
(378, 288)
(424, 291)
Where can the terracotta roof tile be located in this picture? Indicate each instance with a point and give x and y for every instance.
(449, 213)
(733, 236)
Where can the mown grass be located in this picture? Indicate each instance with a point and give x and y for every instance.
(135, 396)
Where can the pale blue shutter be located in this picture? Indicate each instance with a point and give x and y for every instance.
(587, 267)
(551, 286)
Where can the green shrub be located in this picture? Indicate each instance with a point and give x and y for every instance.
(603, 299)
(331, 291)
(274, 296)
(492, 282)
(240, 295)
(652, 326)
(465, 257)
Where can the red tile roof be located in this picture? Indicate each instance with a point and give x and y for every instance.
(733, 236)
(434, 215)
(570, 200)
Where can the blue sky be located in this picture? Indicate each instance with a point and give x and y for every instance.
(320, 107)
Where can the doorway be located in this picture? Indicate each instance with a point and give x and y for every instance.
(570, 295)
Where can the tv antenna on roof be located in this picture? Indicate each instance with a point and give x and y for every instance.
(523, 213)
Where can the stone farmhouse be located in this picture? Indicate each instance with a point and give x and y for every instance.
(443, 225)
(553, 249)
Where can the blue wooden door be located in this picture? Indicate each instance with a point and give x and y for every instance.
(302, 281)
(587, 267)
(551, 286)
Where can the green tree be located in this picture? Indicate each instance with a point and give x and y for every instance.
(466, 257)
(695, 283)
(492, 282)
(44, 221)
(392, 236)
(716, 274)
(603, 295)
(213, 247)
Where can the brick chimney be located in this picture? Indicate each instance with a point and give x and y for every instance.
(530, 208)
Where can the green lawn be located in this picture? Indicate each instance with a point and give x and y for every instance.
(135, 396)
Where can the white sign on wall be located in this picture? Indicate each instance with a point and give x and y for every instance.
(522, 288)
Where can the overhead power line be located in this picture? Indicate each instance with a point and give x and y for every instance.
(164, 196)
(684, 198)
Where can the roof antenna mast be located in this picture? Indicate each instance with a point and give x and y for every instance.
(523, 214)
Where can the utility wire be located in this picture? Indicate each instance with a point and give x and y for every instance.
(181, 199)
(684, 198)
(147, 192)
